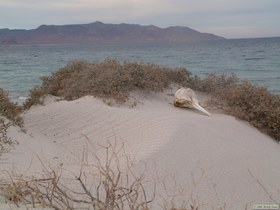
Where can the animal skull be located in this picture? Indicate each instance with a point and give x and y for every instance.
(185, 97)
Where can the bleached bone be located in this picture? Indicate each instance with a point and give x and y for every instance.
(185, 97)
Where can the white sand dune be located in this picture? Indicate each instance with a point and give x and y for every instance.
(218, 160)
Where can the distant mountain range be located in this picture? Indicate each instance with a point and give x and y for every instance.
(99, 32)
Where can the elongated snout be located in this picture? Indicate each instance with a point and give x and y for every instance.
(200, 108)
(185, 97)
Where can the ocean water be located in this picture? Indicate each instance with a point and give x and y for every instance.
(257, 60)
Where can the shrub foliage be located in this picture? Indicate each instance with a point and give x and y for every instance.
(113, 79)
(213, 82)
(107, 79)
(6, 143)
(243, 100)
(8, 109)
(254, 104)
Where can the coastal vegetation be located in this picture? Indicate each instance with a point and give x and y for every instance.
(253, 104)
(10, 111)
(109, 79)
(116, 80)
(244, 100)
(5, 141)
(112, 79)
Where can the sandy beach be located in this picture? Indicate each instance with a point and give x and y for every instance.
(218, 161)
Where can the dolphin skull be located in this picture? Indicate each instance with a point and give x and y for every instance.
(185, 97)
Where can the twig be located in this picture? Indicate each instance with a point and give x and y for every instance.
(263, 187)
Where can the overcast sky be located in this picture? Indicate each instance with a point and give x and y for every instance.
(228, 18)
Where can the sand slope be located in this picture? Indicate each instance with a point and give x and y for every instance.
(215, 159)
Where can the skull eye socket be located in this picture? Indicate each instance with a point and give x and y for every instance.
(182, 103)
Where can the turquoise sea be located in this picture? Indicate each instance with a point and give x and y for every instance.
(257, 60)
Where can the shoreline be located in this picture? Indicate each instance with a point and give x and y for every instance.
(179, 55)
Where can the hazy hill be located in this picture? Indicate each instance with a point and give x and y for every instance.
(99, 32)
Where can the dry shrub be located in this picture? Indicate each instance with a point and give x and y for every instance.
(244, 100)
(107, 79)
(111, 183)
(111, 79)
(8, 109)
(9, 113)
(213, 82)
(254, 104)
(6, 143)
